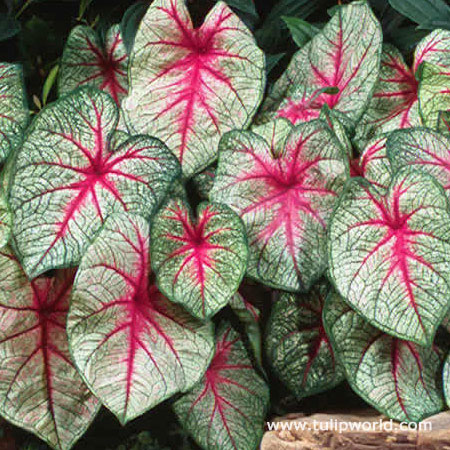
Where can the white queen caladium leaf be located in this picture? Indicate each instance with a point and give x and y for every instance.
(398, 378)
(226, 409)
(298, 347)
(133, 347)
(89, 60)
(423, 149)
(373, 164)
(285, 195)
(190, 85)
(331, 71)
(40, 389)
(199, 262)
(390, 254)
(14, 114)
(67, 179)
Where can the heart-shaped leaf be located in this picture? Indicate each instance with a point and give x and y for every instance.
(88, 60)
(284, 190)
(390, 254)
(297, 345)
(394, 103)
(424, 149)
(40, 389)
(227, 407)
(14, 113)
(373, 164)
(329, 70)
(133, 347)
(199, 262)
(398, 378)
(67, 179)
(190, 85)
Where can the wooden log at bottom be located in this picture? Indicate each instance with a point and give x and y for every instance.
(361, 430)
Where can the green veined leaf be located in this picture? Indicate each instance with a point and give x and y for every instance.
(398, 378)
(389, 254)
(67, 179)
(227, 407)
(297, 345)
(40, 389)
(14, 114)
(328, 62)
(5, 220)
(446, 379)
(203, 182)
(189, 86)
(133, 347)
(87, 61)
(199, 262)
(284, 189)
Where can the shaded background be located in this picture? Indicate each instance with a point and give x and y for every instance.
(33, 32)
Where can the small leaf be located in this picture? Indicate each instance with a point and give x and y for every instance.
(133, 347)
(40, 390)
(301, 31)
(87, 61)
(297, 345)
(188, 85)
(199, 262)
(14, 113)
(226, 409)
(284, 189)
(390, 254)
(49, 83)
(328, 61)
(68, 179)
(130, 23)
(398, 378)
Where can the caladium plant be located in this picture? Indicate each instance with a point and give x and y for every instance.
(399, 378)
(190, 85)
(67, 179)
(40, 389)
(14, 113)
(226, 408)
(199, 262)
(297, 345)
(90, 60)
(133, 347)
(331, 71)
(284, 189)
(388, 259)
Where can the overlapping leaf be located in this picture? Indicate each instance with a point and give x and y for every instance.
(67, 179)
(227, 407)
(284, 190)
(14, 113)
(40, 389)
(373, 164)
(399, 378)
(204, 182)
(297, 345)
(338, 68)
(199, 262)
(133, 347)
(390, 254)
(424, 149)
(190, 85)
(89, 61)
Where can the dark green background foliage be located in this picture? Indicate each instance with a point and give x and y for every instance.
(33, 32)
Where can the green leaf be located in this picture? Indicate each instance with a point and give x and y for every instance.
(133, 347)
(5, 220)
(199, 263)
(49, 83)
(284, 185)
(389, 255)
(226, 409)
(297, 345)
(301, 31)
(246, 10)
(446, 379)
(428, 14)
(67, 179)
(398, 378)
(14, 113)
(9, 27)
(130, 23)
